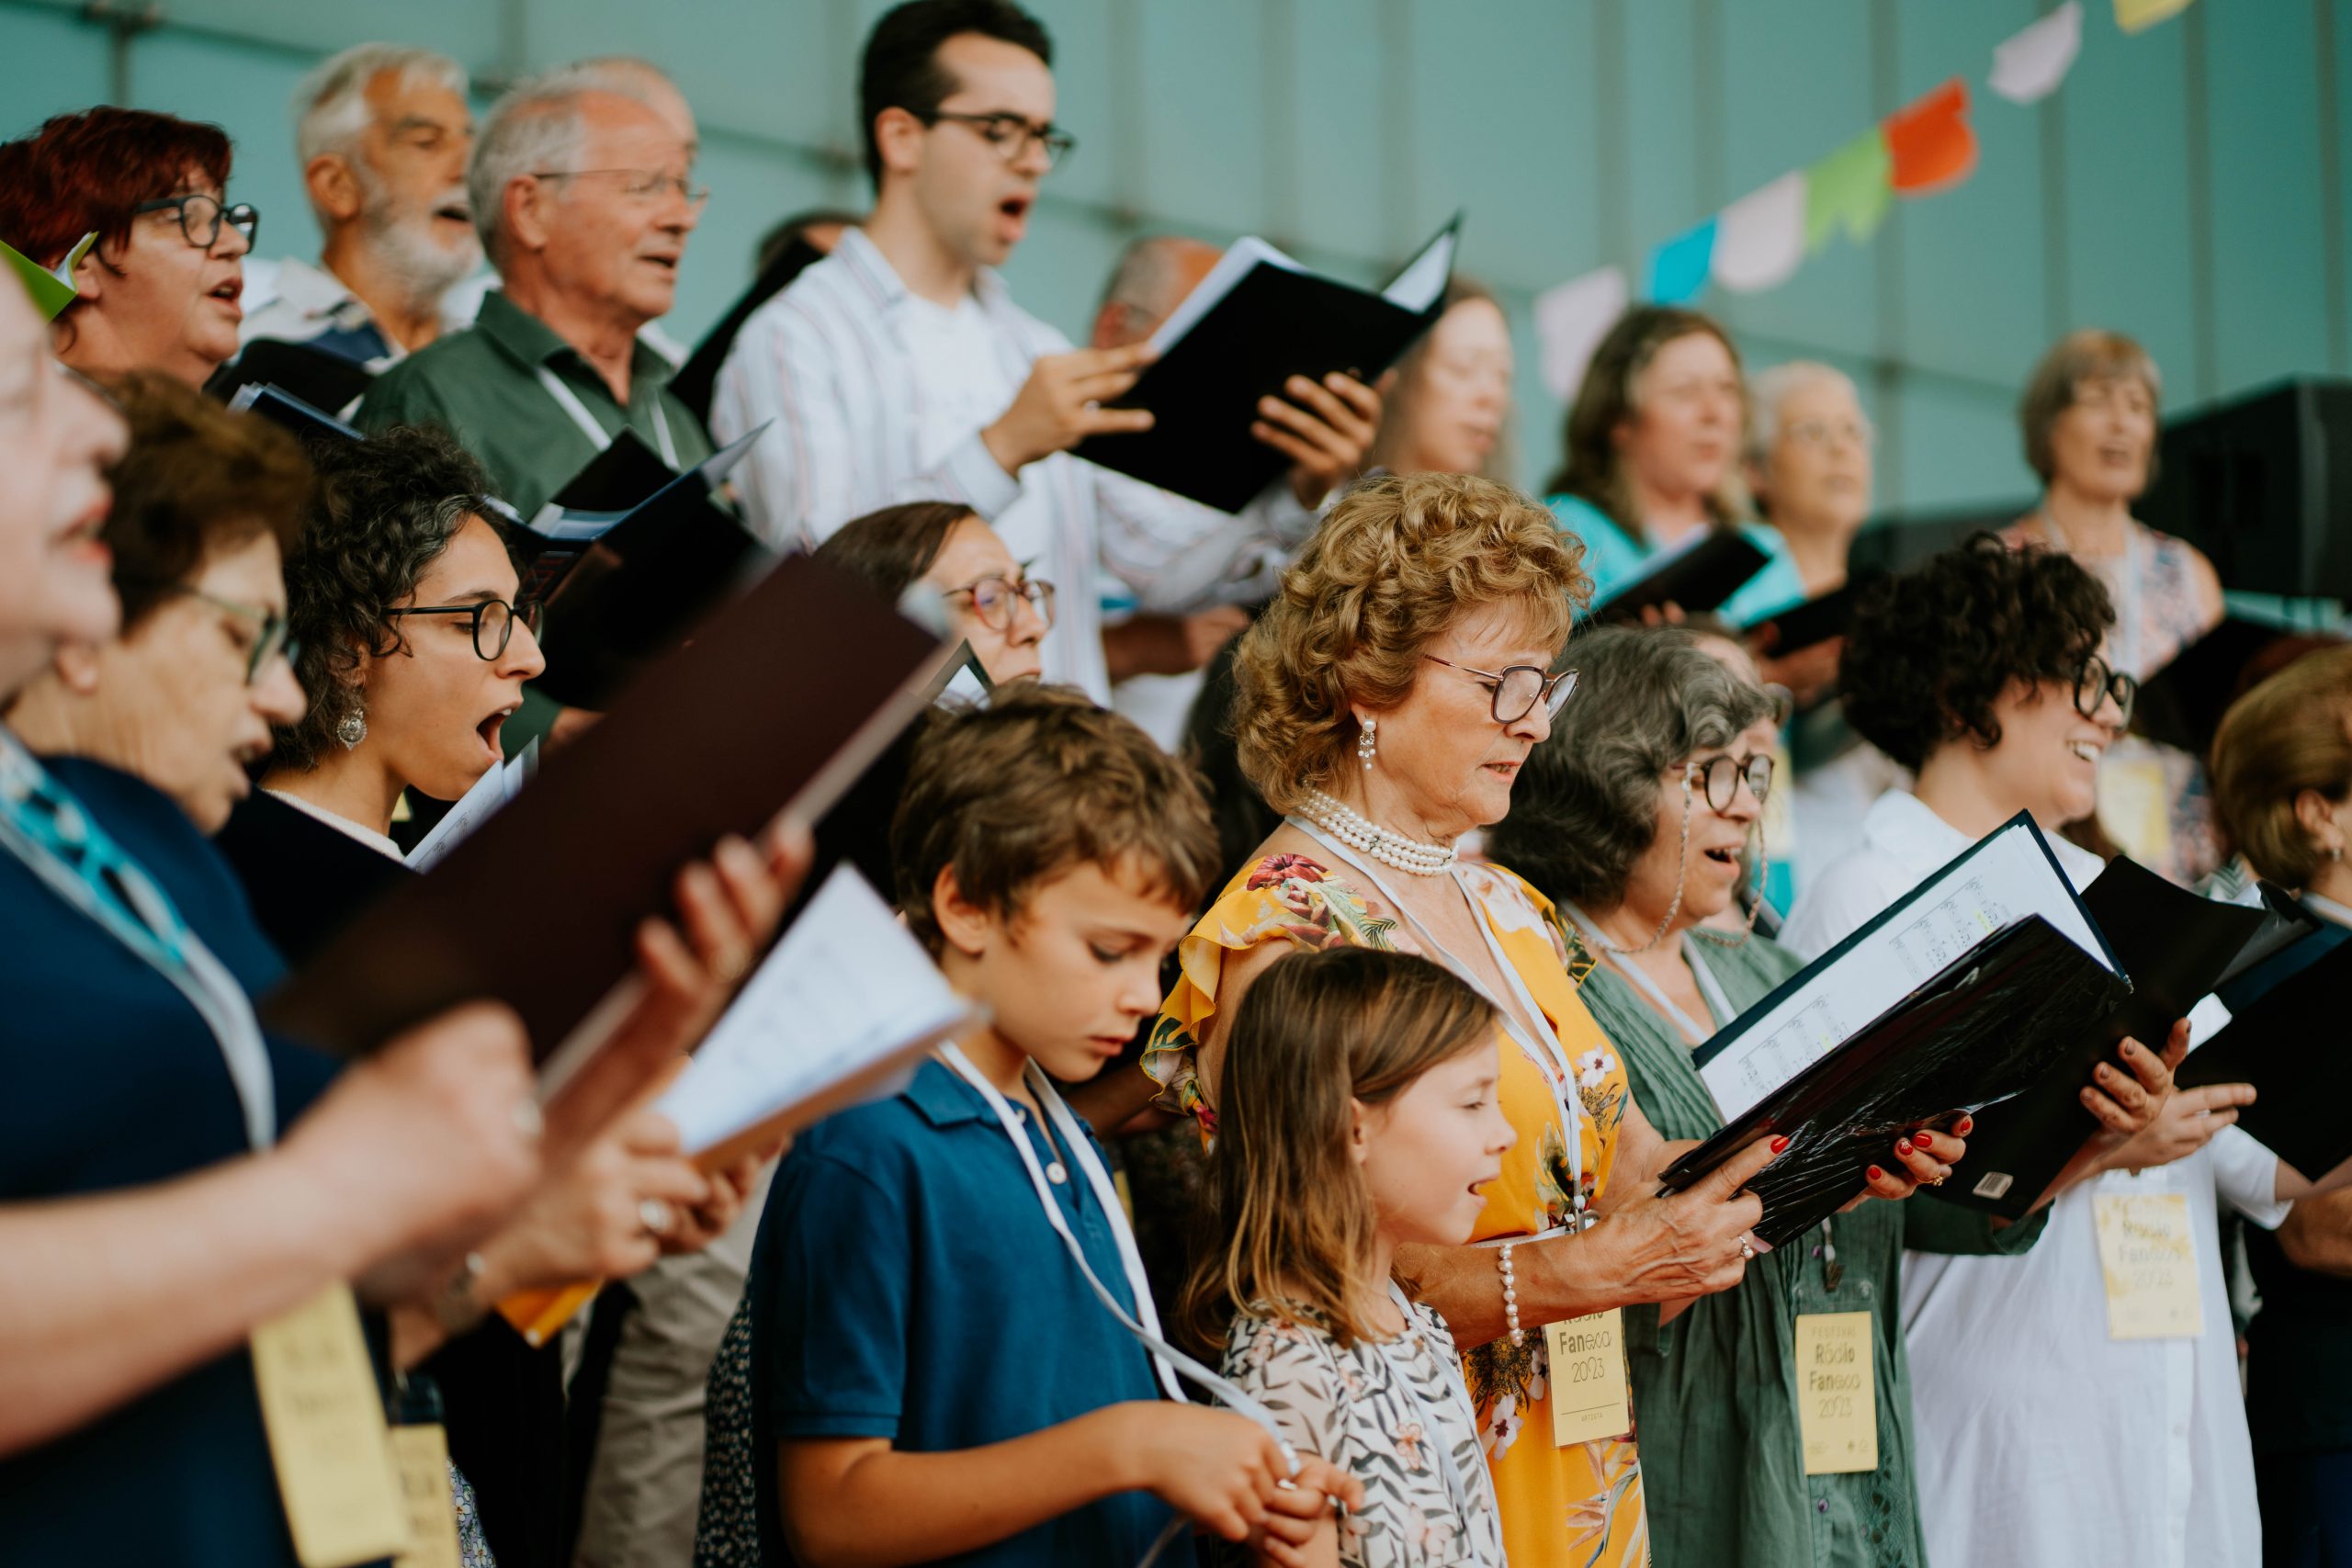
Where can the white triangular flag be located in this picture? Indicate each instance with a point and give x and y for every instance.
(1570, 321)
(2029, 66)
(1760, 239)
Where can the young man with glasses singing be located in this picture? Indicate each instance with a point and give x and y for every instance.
(898, 368)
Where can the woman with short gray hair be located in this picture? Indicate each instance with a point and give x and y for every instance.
(1634, 816)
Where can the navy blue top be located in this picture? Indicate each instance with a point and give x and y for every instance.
(906, 1285)
(111, 1080)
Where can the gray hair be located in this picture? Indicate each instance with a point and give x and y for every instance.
(1585, 808)
(1147, 278)
(1767, 389)
(330, 104)
(538, 125)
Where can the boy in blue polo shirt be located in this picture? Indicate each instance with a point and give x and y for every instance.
(933, 1377)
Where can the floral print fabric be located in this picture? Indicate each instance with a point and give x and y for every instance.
(1378, 1412)
(1579, 1505)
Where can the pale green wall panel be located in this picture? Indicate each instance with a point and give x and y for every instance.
(752, 66)
(49, 64)
(1958, 447)
(245, 91)
(2267, 229)
(1204, 113)
(1338, 116)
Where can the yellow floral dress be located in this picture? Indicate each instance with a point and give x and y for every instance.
(1575, 1507)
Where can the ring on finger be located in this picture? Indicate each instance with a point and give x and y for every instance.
(1746, 1251)
(654, 1215)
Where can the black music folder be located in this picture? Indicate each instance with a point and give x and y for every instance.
(1956, 997)
(306, 421)
(1255, 320)
(627, 558)
(323, 380)
(2182, 703)
(1700, 575)
(1816, 620)
(698, 378)
(2176, 947)
(2289, 1043)
(539, 908)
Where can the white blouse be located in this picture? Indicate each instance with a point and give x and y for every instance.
(2040, 1439)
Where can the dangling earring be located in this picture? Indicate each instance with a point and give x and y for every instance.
(353, 727)
(1365, 745)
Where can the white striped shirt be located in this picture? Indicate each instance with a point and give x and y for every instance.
(830, 362)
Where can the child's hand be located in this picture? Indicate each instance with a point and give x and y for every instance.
(1302, 1511)
(1213, 1467)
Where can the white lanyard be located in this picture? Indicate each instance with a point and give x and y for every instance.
(1717, 1003)
(569, 400)
(1169, 1361)
(1457, 1489)
(1544, 1049)
(200, 976)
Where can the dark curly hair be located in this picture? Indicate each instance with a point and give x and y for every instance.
(384, 510)
(1931, 651)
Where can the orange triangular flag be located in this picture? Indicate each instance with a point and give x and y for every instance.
(1929, 143)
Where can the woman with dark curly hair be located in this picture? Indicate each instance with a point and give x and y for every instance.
(2037, 1431)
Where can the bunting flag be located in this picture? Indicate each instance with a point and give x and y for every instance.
(51, 290)
(1930, 145)
(1678, 268)
(1850, 189)
(1570, 321)
(2139, 16)
(1760, 239)
(2029, 66)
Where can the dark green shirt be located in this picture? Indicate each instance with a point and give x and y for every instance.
(482, 386)
(1715, 1390)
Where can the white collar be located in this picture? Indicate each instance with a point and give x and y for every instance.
(367, 836)
(1905, 830)
(314, 290)
(864, 259)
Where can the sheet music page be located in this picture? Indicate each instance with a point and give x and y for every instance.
(1420, 285)
(1230, 270)
(2006, 880)
(476, 806)
(846, 987)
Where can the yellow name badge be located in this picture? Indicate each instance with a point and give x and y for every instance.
(2148, 1253)
(422, 1454)
(1837, 1392)
(1587, 1378)
(325, 1422)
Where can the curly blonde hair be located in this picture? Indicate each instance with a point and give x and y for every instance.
(1397, 561)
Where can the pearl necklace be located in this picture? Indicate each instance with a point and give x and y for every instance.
(1366, 837)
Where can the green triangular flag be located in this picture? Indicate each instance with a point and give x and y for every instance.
(51, 291)
(1850, 189)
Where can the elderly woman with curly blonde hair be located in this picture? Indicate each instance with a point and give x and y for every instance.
(1385, 702)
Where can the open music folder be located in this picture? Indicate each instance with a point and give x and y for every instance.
(1258, 319)
(539, 907)
(1700, 574)
(1954, 998)
(2288, 1042)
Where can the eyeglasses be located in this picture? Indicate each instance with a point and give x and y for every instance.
(993, 599)
(202, 215)
(642, 185)
(273, 642)
(1520, 688)
(2098, 680)
(1722, 776)
(493, 621)
(1821, 433)
(1012, 136)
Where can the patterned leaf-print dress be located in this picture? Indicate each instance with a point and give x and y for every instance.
(1574, 1507)
(1376, 1411)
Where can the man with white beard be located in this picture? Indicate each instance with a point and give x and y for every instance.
(383, 132)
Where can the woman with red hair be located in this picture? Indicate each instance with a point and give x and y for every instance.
(159, 289)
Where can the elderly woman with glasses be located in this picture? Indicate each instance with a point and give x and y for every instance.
(1387, 700)
(159, 289)
(1982, 671)
(1636, 817)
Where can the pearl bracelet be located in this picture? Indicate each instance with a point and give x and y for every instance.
(1511, 1292)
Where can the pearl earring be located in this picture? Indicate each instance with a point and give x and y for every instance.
(1365, 745)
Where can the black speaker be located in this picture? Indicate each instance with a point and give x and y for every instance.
(2262, 483)
(1897, 541)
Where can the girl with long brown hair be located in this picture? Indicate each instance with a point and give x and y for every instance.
(1359, 1114)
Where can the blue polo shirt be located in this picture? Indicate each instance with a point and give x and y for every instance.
(907, 1286)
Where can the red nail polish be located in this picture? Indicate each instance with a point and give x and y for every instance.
(1966, 1122)
(1923, 1140)
(1875, 1173)
(1903, 1145)
(1780, 1144)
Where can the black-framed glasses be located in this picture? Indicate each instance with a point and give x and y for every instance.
(993, 599)
(1520, 688)
(1010, 136)
(202, 217)
(274, 640)
(1721, 777)
(2096, 680)
(493, 621)
(639, 184)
